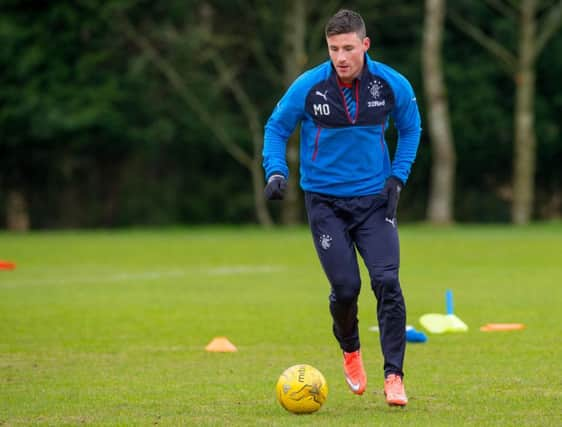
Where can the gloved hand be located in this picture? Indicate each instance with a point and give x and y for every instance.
(275, 188)
(392, 188)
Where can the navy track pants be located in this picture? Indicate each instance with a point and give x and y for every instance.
(341, 227)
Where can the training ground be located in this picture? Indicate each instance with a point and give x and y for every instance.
(110, 328)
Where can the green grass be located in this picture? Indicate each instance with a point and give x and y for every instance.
(109, 328)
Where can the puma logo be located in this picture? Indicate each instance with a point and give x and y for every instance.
(323, 95)
(391, 221)
(354, 387)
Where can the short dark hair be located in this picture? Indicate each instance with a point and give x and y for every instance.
(346, 21)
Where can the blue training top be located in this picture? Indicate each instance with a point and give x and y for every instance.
(341, 155)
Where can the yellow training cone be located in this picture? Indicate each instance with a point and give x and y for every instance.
(440, 323)
(221, 345)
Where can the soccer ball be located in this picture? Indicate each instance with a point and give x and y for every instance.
(302, 389)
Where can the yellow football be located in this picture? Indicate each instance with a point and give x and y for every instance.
(302, 389)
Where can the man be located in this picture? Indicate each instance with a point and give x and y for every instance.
(351, 187)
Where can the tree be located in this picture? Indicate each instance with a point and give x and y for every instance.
(294, 60)
(441, 195)
(209, 41)
(527, 16)
(62, 94)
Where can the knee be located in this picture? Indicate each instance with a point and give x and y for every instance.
(344, 290)
(390, 280)
(386, 283)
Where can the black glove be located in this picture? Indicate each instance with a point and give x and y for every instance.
(392, 188)
(275, 188)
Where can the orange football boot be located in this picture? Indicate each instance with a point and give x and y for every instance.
(354, 371)
(394, 391)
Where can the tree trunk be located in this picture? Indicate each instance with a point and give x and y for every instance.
(17, 213)
(522, 67)
(525, 139)
(292, 205)
(441, 198)
(258, 181)
(294, 61)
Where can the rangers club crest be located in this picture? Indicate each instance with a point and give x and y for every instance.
(375, 88)
(325, 241)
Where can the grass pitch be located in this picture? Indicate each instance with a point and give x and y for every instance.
(109, 328)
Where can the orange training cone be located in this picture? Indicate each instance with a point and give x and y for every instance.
(221, 345)
(491, 327)
(7, 265)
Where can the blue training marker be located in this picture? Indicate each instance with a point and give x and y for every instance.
(449, 301)
(413, 335)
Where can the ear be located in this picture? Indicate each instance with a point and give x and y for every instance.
(366, 44)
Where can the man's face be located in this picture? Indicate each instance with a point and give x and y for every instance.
(347, 52)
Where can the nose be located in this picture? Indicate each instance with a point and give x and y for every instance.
(341, 57)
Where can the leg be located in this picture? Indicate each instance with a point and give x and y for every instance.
(377, 242)
(339, 261)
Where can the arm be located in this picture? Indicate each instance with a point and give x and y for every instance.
(281, 124)
(407, 121)
(408, 124)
